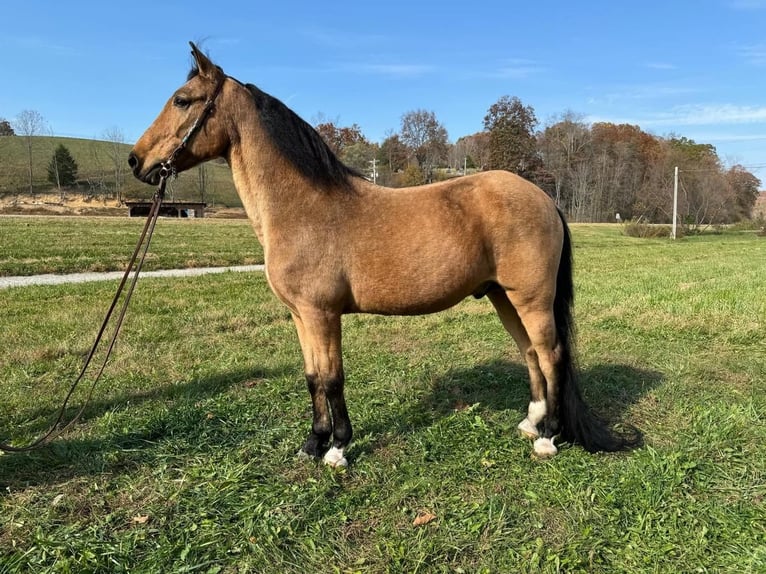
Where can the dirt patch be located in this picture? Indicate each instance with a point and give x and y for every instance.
(73, 204)
(55, 204)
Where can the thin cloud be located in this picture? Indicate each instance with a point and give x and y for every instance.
(694, 115)
(728, 137)
(748, 5)
(632, 93)
(390, 70)
(344, 39)
(516, 69)
(660, 66)
(37, 43)
(715, 114)
(754, 54)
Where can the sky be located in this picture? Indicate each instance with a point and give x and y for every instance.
(688, 68)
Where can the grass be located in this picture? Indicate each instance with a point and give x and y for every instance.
(185, 461)
(94, 164)
(57, 244)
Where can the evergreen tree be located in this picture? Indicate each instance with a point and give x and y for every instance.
(62, 170)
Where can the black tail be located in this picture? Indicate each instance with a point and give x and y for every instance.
(579, 424)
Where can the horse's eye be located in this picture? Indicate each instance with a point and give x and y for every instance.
(181, 102)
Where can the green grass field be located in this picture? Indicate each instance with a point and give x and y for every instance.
(59, 244)
(185, 460)
(94, 165)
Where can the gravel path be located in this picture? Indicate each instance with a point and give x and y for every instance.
(50, 279)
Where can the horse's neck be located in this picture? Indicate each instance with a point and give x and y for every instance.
(271, 190)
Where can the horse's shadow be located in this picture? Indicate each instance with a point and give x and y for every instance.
(497, 386)
(610, 389)
(66, 457)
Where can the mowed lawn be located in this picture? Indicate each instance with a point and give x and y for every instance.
(185, 460)
(59, 244)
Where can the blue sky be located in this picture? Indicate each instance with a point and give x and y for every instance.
(692, 68)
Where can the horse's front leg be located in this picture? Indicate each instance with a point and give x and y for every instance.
(320, 337)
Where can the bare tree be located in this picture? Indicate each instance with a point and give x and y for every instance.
(28, 124)
(564, 145)
(117, 156)
(203, 178)
(426, 138)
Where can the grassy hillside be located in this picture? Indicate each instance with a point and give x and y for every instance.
(96, 171)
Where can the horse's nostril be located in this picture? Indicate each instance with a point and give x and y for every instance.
(132, 160)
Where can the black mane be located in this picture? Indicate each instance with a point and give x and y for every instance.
(300, 143)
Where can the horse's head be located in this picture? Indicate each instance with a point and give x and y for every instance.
(188, 130)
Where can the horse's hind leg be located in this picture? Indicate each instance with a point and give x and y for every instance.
(512, 323)
(320, 337)
(540, 326)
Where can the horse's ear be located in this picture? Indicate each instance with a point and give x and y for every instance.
(206, 68)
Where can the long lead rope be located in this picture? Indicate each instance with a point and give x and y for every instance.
(167, 170)
(142, 247)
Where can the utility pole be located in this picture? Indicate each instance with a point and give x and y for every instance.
(675, 204)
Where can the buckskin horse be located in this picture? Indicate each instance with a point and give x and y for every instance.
(335, 243)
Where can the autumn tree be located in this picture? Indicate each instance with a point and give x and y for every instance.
(29, 123)
(512, 145)
(621, 156)
(393, 153)
(425, 138)
(701, 184)
(339, 138)
(744, 186)
(5, 128)
(475, 148)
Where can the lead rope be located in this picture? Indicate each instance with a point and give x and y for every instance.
(143, 242)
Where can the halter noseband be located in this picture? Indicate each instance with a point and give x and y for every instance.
(168, 168)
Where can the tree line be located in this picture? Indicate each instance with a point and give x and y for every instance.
(595, 172)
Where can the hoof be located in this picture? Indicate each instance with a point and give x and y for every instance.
(528, 430)
(334, 458)
(544, 448)
(315, 446)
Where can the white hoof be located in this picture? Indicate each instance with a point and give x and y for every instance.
(334, 457)
(527, 429)
(544, 448)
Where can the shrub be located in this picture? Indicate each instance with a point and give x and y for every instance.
(649, 230)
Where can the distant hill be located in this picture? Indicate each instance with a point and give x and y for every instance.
(96, 172)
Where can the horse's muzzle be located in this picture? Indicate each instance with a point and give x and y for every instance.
(152, 176)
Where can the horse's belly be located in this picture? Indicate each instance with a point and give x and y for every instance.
(416, 291)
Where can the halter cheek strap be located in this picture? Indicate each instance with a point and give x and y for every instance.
(168, 167)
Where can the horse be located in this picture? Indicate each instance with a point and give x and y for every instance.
(335, 243)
